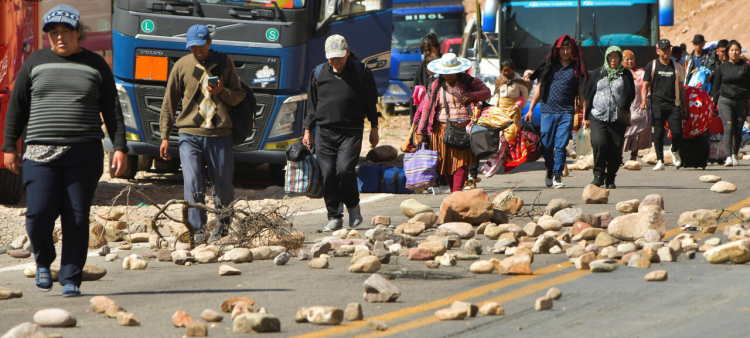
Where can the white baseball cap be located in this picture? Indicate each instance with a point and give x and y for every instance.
(336, 46)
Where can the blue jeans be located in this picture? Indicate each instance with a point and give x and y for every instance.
(206, 155)
(64, 187)
(556, 130)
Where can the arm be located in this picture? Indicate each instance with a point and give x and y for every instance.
(371, 101)
(629, 87)
(427, 109)
(172, 97)
(110, 108)
(308, 122)
(479, 91)
(589, 93)
(534, 101)
(233, 93)
(17, 115)
(716, 86)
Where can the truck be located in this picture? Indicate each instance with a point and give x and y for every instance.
(275, 45)
(513, 28)
(19, 37)
(412, 20)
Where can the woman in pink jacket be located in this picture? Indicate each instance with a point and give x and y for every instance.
(450, 99)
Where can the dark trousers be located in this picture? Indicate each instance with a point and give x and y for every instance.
(201, 157)
(337, 151)
(673, 115)
(606, 141)
(64, 187)
(733, 113)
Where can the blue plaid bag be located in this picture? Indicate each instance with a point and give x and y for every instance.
(304, 177)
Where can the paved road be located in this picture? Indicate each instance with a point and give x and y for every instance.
(698, 299)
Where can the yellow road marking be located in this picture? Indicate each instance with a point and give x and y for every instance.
(473, 293)
(507, 297)
(527, 290)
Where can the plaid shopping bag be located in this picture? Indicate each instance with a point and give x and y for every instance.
(420, 168)
(304, 177)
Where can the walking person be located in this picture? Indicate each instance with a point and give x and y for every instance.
(451, 96)
(430, 46)
(668, 101)
(562, 77)
(58, 96)
(205, 126)
(638, 135)
(341, 94)
(699, 57)
(611, 87)
(731, 90)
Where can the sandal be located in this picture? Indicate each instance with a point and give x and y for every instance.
(71, 290)
(43, 279)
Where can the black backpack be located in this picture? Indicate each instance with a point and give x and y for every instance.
(243, 114)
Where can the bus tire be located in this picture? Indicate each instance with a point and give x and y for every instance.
(130, 171)
(11, 187)
(389, 109)
(166, 167)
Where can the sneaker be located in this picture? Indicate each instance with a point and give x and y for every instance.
(333, 225)
(200, 237)
(598, 181)
(355, 217)
(677, 161)
(43, 279)
(728, 162)
(659, 165)
(470, 184)
(548, 178)
(434, 190)
(71, 290)
(557, 182)
(611, 185)
(735, 162)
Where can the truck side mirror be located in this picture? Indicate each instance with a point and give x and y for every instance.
(471, 54)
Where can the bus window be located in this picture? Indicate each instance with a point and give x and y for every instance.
(346, 8)
(408, 29)
(280, 3)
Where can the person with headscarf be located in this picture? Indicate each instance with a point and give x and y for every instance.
(611, 87)
(638, 135)
(562, 77)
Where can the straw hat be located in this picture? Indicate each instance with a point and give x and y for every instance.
(449, 64)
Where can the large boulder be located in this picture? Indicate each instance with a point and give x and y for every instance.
(699, 218)
(472, 206)
(595, 195)
(631, 227)
(412, 207)
(737, 252)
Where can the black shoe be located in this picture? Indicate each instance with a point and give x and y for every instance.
(611, 186)
(598, 181)
(548, 178)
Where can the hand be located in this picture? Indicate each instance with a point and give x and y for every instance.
(585, 123)
(419, 139)
(164, 150)
(527, 118)
(374, 137)
(307, 139)
(12, 162)
(466, 98)
(120, 162)
(215, 89)
(527, 78)
(644, 106)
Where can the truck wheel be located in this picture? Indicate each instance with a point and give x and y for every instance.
(129, 172)
(144, 162)
(166, 167)
(277, 173)
(11, 187)
(389, 109)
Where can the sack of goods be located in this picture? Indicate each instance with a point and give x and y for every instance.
(535, 143)
(496, 118)
(303, 174)
(420, 169)
(484, 141)
(382, 179)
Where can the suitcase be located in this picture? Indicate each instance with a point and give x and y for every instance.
(695, 151)
(484, 141)
(717, 153)
(382, 179)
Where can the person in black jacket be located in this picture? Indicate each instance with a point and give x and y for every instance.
(341, 94)
(611, 87)
(430, 46)
(731, 91)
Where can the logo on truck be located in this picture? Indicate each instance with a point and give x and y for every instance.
(147, 26)
(272, 34)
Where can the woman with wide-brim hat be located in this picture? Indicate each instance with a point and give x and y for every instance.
(451, 95)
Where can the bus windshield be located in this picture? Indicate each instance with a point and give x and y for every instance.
(281, 3)
(409, 29)
(628, 24)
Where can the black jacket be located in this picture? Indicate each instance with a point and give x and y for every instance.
(590, 90)
(342, 102)
(731, 81)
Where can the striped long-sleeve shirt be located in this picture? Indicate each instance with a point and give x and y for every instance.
(59, 100)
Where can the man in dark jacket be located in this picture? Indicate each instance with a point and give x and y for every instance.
(342, 93)
(699, 57)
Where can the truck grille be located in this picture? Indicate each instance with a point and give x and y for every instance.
(407, 69)
(149, 100)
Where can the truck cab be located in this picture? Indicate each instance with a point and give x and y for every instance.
(413, 20)
(19, 37)
(275, 45)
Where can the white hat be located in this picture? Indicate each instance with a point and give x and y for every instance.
(336, 46)
(449, 64)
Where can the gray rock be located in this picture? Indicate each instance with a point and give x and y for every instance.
(281, 259)
(103, 251)
(353, 312)
(258, 322)
(54, 318)
(23, 330)
(473, 247)
(556, 205)
(320, 248)
(3, 250)
(379, 290)
(603, 265)
(568, 216)
(304, 254)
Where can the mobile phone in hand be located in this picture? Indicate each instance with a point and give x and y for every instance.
(213, 80)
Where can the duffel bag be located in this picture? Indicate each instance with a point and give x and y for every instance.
(304, 177)
(382, 179)
(484, 141)
(534, 141)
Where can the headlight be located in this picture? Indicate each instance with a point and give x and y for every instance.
(396, 89)
(127, 109)
(283, 124)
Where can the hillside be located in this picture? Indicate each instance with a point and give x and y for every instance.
(715, 19)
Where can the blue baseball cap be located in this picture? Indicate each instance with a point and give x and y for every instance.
(61, 14)
(197, 35)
